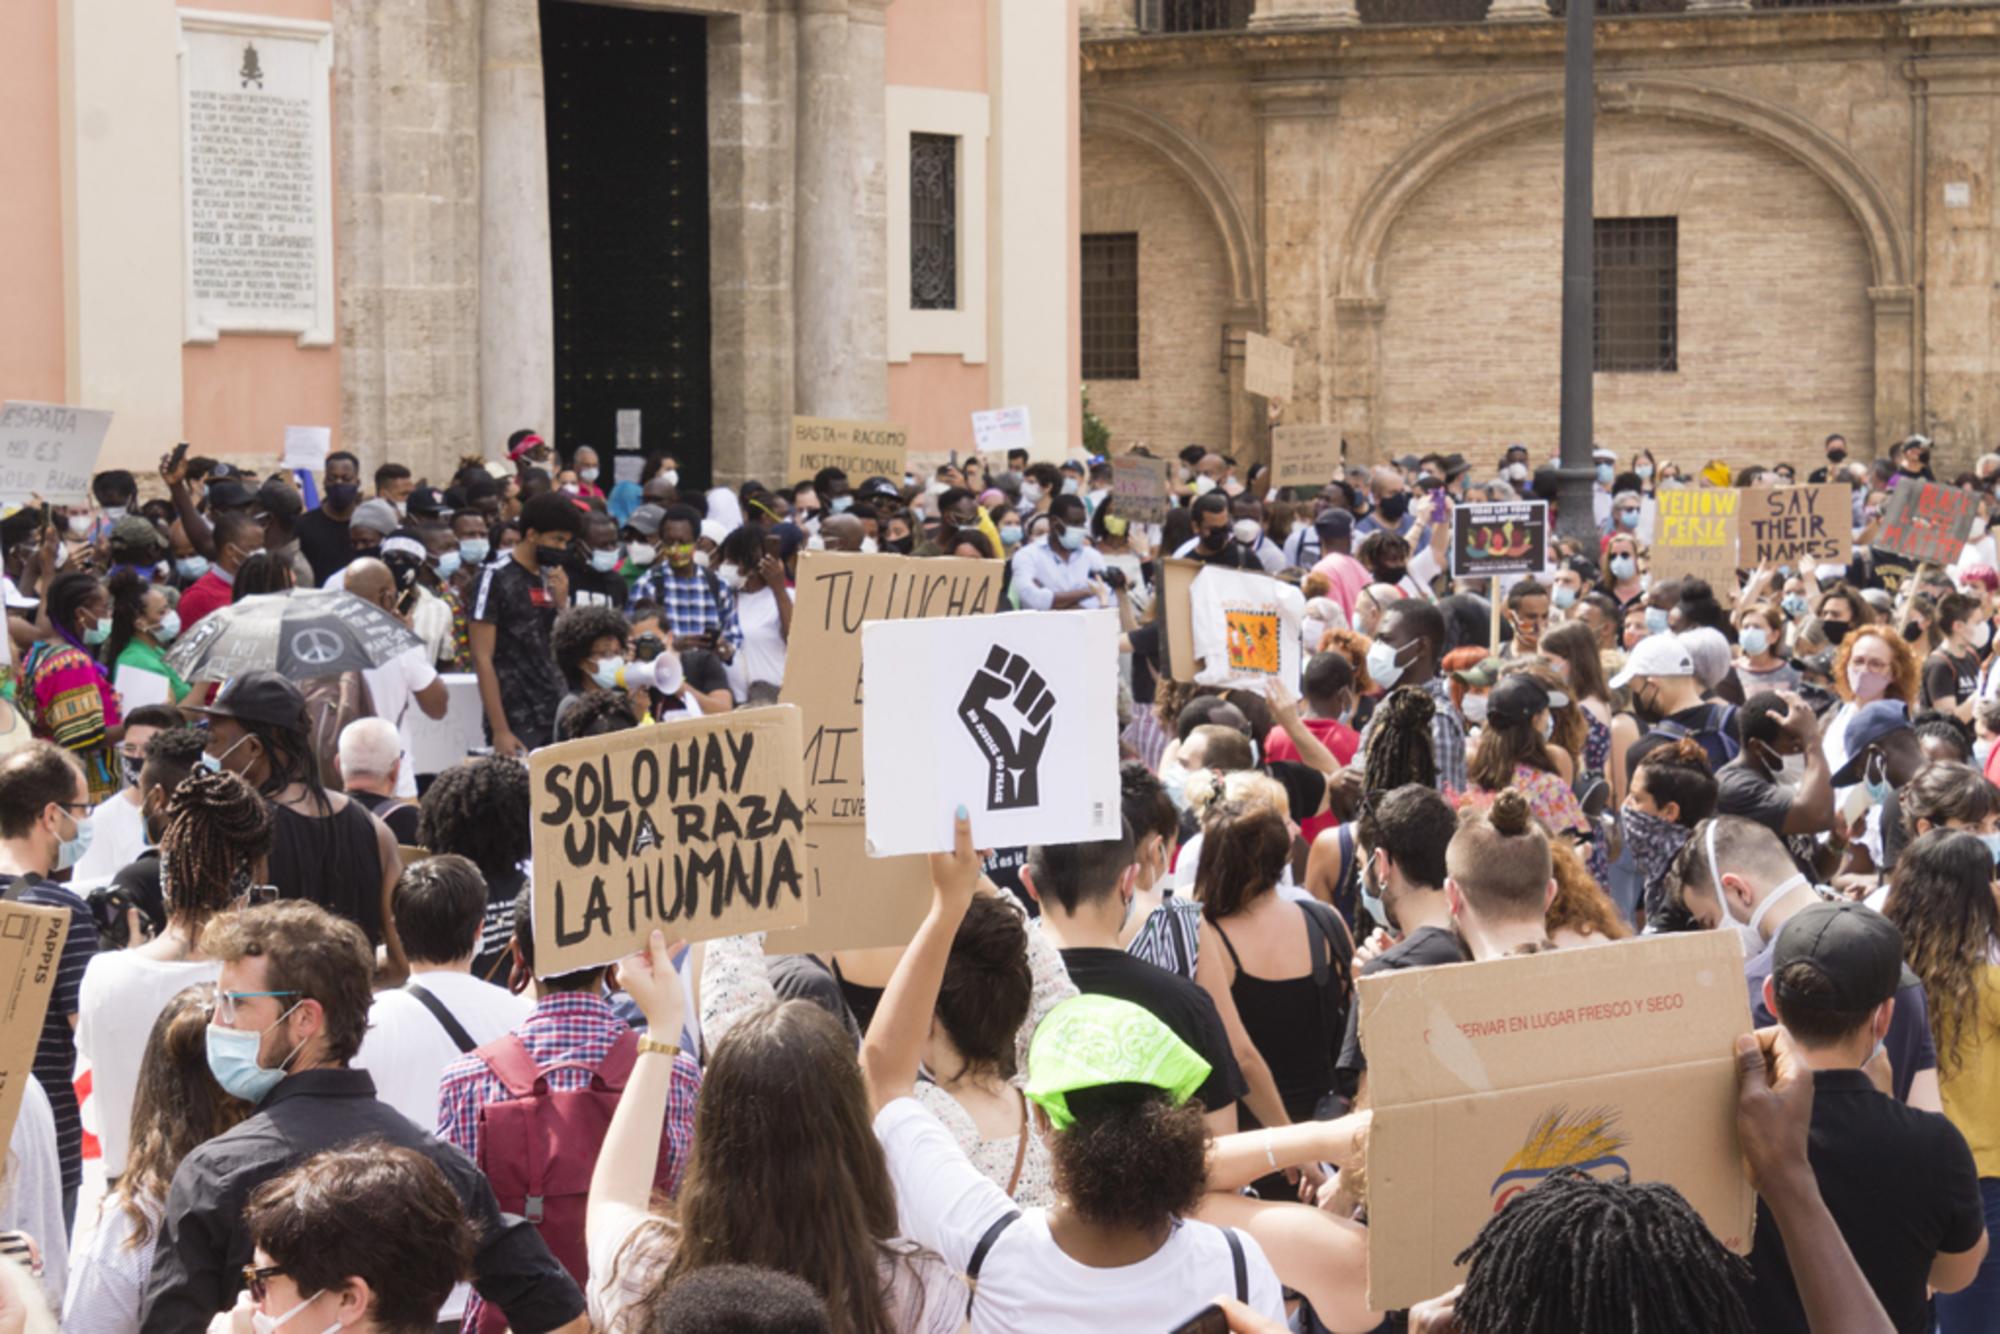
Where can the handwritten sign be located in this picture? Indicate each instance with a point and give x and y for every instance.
(1696, 534)
(837, 592)
(1927, 523)
(48, 451)
(695, 827)
(307, 447)
(1800, 526)
(859, 449)
(1267, 366)
(1001, 430)
(1509, 538)
(1305, 455)
(1139, 488)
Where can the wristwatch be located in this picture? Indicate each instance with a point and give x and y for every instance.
(647, 1042)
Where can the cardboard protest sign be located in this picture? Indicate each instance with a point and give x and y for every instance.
(1177, 660)
(695, 827)
(1014, 717)
(836, 593)
(48, 451)
(1696, 534)
(1488, 1077)
(31, 942)
(1508, 538)
(1139, 488)
(1244, 628)
(859, 449)
(1799, 526)
(1267, 366)
(1927, 523)
(1000, 429)
(307, 447)
(854, 901)
(1305, 455)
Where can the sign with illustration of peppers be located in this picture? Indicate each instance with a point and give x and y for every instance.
(1499, 539)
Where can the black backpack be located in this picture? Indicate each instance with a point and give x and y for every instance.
(1716, 737)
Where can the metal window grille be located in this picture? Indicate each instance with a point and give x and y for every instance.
(1635, 321)
(1111, 306)
(1193, 15)
(933, 222)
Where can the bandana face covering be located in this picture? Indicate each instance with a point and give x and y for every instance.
(1654, 842)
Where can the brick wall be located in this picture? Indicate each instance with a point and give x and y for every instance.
(1775, 343)
(1181, 397)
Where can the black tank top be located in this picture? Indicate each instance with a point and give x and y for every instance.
(334, 861)
(1295, 1023)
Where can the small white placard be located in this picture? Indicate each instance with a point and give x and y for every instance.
(628, 431)
(1958, 194)
(48, 451)
(307, 447)
(1002, 429)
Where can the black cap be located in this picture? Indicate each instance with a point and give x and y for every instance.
(260, 697)
(229, 494)
(427, 502)
(1517, 699)
(876, 486)
(274, 497)
(1857, 952)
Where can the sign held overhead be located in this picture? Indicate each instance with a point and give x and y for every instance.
(48, 451)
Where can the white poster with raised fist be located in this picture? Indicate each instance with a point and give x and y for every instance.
(1013, 717)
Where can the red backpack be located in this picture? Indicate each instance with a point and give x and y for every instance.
(539, 1147)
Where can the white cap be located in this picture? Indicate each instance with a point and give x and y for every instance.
(714, 531)
(1655, 655)
(1603, 455)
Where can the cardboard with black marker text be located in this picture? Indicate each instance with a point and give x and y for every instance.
(31, 944)
(1487, 1077)
(861, 449)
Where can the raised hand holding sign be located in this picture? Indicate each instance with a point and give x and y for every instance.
(1007, 708)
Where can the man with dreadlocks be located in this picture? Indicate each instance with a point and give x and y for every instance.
(325, 847)
(217, 830)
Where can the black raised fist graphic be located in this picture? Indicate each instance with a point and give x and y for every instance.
(1007, 708)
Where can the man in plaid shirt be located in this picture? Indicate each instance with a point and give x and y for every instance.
(697, 610)
(572, 1022)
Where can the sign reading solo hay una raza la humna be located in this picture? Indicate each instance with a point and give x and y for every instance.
(1013, 717)
(859, 449)
(695, 827)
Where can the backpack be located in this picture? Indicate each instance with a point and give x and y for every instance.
(1717, 737)
(549, 1189)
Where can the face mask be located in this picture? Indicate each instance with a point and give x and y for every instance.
(232, 1059)
(475, 550)
(1069, 486)
(1623, 567)
(1384, 664)
(1113, 525)
(191, 568)
(1010, 534)
(1992, 842)
(79, 525)
(70, 851)
(1835, 631)
(1248, 531)
(1214, 539)
(1202, 485)
(1836, 455)
(129, 767)
(606, 671)
(1393, 508)
(1878, 786)
(1371, 895)
(1656, 621)
(1605, 472)
(868, 547)
(815, 543)
(264, 1324)
(841, 504)
(213, 763)
(1517, 472)
(1628, 519)
(1654, 842)
(671, 476)
(169, 628)
(568, 489)
(1645, 471)
(1070, 539)
(1755, 640)
(1866, 684)
(1913, 632)
(732, 576)
(1564, 597)
(587, 474)
(642, 553)
(343, 494)
(604, 562)
(1794, 605)
(902, 546)
(1474, 709)
(97, 633)
(447, 564)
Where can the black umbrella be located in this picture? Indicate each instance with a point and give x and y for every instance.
(302, 633)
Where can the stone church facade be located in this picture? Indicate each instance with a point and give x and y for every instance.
(1796, 205)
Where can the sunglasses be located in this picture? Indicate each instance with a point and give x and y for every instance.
(258, 1281)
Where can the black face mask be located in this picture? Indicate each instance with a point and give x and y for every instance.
(1913, 632)
(342, 495)
(365, 553)
(1214, 539)
(1836, 630)
(1836, 456)
(902, 546)
(1390, 574)
(1393, 508)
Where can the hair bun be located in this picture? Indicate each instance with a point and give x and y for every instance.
(1509, 814)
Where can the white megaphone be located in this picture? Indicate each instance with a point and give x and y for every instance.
(662, 674)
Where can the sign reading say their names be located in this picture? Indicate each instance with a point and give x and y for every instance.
(859, 449)
(31, 942)
(694, 827)
(1267, 366)
(835, 594)
(1797, 525)
(1696, 534)
(48, 451)
(1305, 455)
(1139, 488)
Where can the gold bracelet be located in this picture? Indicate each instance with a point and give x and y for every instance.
(647, 1042)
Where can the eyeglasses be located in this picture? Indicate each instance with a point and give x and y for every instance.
(259, 1280)
(74, 806)
(225, 1001)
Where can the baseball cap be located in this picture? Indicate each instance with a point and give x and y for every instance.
(1855, 950)
(427, 502)
(1870, 723)
(228, 494)
(1090, 1042)
(1481, 675)
(876, 487)
(136, 533)
(376, 515)
(1335, 523)
(525, 445)
(1656, 655)
(1517, 699)
(645, 520)
(260, 697)
(1408, 463)
(1603, 455)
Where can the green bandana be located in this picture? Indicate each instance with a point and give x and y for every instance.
(1090, 1041)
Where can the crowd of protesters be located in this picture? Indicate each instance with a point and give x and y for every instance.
(298, 1024)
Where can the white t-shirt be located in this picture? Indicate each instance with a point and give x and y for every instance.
(762, 657)
(393, 686)
(1188, 866)
(122, 994)
(406, 1048)
(31, 1191)
(118, 836)
(1027, 1281)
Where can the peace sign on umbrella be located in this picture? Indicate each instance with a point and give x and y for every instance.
(300, 633)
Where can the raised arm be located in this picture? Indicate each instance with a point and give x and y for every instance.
(893, 1048)
(621, 1186)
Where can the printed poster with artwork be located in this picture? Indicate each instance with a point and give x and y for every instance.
(1246, 628)
(1015, 717)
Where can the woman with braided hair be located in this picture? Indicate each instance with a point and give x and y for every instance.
(218, 834)
(1400, 749)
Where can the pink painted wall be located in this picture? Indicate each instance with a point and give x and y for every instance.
(241, 392)
(935, 396)
(32, 351)
(937, 44)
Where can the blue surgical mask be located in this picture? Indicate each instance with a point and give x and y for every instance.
(1605, 472)
(1992, 842)
(70, 851)
(1564, 597)
(1755, 639)
(1371, 897)
(1645, 471)
(232, 1059)
(213, 763)
(1794, 605)
(1010, 534)
(1623, 567)
(604, 562)
(448, 563)
(191, 568)
(1071, 539)
(1878, 790)
(606, 671)
(475, 550)
(587, 474)
(1628, 519)
(169, 628)
(98, 633)
(841, 504)
(1656, 621)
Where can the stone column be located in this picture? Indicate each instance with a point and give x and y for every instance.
(1108, 18)
(1305, 14)
(1954, 373)
(1295, 120)
(867, 280)
(823, 289)
(516, 293)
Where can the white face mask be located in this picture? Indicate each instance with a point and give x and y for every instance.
(815, 543)
(732, 576)
(265, 1324)
(1474, 709)
(671, 476)
(1248, 531)
(1031, 493)
(868, 546)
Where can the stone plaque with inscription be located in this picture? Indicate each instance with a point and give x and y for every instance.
(256, 177)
